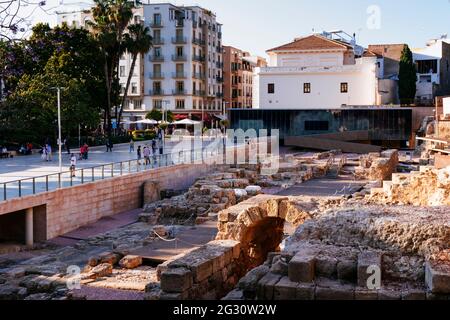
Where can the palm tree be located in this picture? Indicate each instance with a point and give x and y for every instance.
(138, 41)
(111, 18)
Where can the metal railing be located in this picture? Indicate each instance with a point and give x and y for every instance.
(50, 182)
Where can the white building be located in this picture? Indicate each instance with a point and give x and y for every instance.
(446, 104)
(433, 70)
(183, 70)
(318, 72)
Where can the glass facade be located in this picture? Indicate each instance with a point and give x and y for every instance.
(383, 124)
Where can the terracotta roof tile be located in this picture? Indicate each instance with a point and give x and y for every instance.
(313, 42)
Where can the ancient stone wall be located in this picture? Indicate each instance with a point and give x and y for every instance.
(209, 272)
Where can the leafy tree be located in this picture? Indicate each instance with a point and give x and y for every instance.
(157, 115)
(61, 56)
(138, 42)
(407, 77)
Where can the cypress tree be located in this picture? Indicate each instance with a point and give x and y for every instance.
(407, 77)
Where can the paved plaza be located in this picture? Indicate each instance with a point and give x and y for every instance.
(41, 176)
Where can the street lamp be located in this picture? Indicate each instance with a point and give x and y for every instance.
(58, 92)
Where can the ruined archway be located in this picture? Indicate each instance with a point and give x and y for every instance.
(258, 225)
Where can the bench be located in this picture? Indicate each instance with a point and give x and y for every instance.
(4, 155)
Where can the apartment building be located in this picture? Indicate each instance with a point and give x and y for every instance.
(433, 70)
(320, 71)
(183, 70)
(238, 77)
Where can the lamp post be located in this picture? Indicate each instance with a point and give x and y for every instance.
(58, 93)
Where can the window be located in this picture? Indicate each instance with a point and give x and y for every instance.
(157, 52)
(316, 125)
(157, 69)
(157, 19)
(427, 66)
(157, 87)
(179, 51)
(122, 88)
(271, 88)
(180, 86)
(179, 104)
(307, 87)
(137, 104)
(157, 104)
(122, 71)
(134, 87)
(157, 36)
(344, 87)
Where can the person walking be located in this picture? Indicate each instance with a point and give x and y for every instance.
(139, 154)
(86, 151)
(153, 146)
(66, 145)
(147, 155)
(49, 152)
(109, 145)
(73, 163)
(131, 145)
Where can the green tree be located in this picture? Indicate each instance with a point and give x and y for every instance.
(157, 115)
(407, 77)
(138, 41)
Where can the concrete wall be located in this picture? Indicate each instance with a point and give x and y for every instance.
(70, 208)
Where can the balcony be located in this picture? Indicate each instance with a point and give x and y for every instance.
(179, 75)
(199, 76)
(178, 92)
(219, 35)
(156, 75)
(178, 58)
(179, 23)
(219, 65)
(158, 41)
(194, 24)
(198, 41)
(154, 58)
(219, 49)
(219, 94)
(156, 92)
(219, 79)
(198, 58)
(199, 93)
(179, 40)
(156, 24)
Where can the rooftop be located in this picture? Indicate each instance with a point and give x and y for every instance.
(313, 42)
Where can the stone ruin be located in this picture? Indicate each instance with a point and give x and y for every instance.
(328, 258)
(426, 187)
(377, 166)
(218, 191)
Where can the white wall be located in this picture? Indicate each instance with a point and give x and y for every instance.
(310, 59)
(446, 102)
(325, 86)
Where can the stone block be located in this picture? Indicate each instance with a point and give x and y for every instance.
(102, 270)
(130, 262)
(285, 289)
(326, 266)
(305, 291)
(301, 267)
(365, 260)
(437, 278)
(365, 294)
(177, 280)
(347, 270)
(331, 290)
(413, 294)
(389, 294)
(265, 289)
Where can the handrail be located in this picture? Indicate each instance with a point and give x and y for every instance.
(61, 178)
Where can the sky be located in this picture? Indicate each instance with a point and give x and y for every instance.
(258, 25)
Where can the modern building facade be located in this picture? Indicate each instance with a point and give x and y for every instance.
(183, 70)
(321, 71)
(238, 71)
(433, 70)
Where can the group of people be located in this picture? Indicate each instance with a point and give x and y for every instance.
(148, 151)
(46, 152)
(26, 149)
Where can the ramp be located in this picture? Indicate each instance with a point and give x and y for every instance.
(320, 143)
